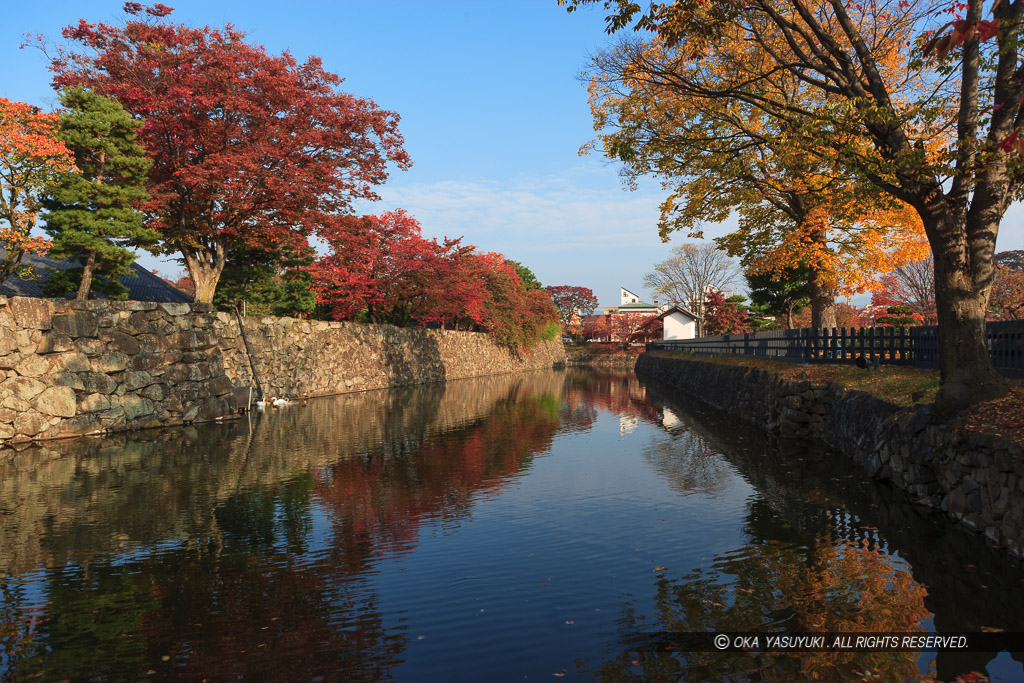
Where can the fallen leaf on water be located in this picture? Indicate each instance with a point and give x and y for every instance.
(560, 673)
(660, 569)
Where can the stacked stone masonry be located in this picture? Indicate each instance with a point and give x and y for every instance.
(70, 368)
(975, 478)
(304, 358)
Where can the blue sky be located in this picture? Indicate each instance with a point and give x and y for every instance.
(493, 115)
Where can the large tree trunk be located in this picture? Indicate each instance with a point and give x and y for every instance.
(86, 284)
(961, 300)
(204, 266)
(823, 302)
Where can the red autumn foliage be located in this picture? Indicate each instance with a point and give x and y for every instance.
(382, 267)
(572, 302)
(723, 317)
(1007, 300)
(635, 328)
(247, 147)
(596, 327)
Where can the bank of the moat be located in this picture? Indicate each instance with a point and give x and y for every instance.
(69, 368)
(975, 478)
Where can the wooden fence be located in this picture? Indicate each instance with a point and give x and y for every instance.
(889, 345)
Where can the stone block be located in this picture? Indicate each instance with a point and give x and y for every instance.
(136, 305)
(174, 309)
(93, 403)
(36, 314)
(125, 343)
(33, 366)
(199, 372)
(30, 424)
(54, 342)
(89, 304)
(72, 361)
(136, 380)
(98, 382)
(8, 340)
(106, 319)
(136, 406)
(15, 403)
(154, 392)
(80, 424)
(77, 324)
(176, 374)
(146, 361)
(220, 385)
(24, 388)
(136, 324)
(89, 346)
(113, 361)
(56, 401)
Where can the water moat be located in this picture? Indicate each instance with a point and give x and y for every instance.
(519, 526)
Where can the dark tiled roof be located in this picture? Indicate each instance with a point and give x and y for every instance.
(682, 310)
(144, 287)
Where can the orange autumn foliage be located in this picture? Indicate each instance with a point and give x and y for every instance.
(32, 159)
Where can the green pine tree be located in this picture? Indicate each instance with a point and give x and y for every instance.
(93, 216)
(270, 282)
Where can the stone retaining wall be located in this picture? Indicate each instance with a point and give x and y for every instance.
(300, 358)
(975, 478)
(69, 368)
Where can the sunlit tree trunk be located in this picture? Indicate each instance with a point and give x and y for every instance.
(963, 282)
(86, 283)
(205, 266)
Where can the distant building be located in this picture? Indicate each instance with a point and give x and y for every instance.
(627, 320)
(144, 287)
(631, 303)
(679, 323)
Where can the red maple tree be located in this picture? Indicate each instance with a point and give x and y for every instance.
(247, 147)
(572, 303)
(723, 317)
(382, 269)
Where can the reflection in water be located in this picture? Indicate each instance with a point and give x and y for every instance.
(810, 499)
(774, 587)
(191, 553)
(360, 537)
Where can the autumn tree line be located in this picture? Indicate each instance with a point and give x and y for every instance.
(193, 142)
(850, 139)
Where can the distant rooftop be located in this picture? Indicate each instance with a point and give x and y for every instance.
(638, 304)
(144, 287)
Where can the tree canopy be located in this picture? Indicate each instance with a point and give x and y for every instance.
(32, 161)
(93, 216)
(922, 101)
(717, 156)
(247, 147)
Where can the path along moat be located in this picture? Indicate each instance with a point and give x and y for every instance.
(545, 524)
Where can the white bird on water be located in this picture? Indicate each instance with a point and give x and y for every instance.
(278, 402)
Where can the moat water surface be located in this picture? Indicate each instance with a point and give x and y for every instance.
(545, 526)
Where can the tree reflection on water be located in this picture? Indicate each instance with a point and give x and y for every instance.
(774, 587)
(214, 571)
(270, 549)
